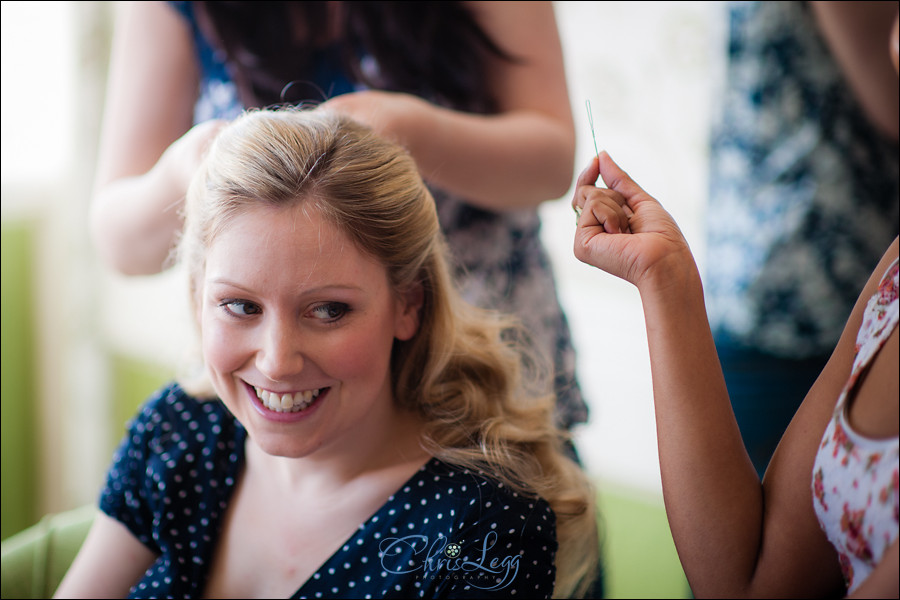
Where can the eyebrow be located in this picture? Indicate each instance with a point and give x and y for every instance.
(229, 283)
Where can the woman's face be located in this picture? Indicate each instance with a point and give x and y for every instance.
(297, 327)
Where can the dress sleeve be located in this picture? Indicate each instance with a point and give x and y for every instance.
(508, 547)
(132, 492)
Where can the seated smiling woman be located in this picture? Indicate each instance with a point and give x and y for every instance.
(359, 430)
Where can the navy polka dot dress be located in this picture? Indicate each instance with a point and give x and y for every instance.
(446, 533)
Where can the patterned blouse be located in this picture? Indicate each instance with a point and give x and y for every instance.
(446, 533)
(855, 480)
(803, 189)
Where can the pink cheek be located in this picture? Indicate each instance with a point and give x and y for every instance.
(223, 349)
(359, 355)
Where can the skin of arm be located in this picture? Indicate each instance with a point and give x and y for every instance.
(735, 537)
(516, 158)
(142, 173)
(856, 33)
(110, 561)
(883, 582)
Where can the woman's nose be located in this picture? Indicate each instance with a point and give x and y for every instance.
(280, 356)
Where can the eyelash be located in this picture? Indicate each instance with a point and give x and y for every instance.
(331, 307)
(227, 304)
(342, 308)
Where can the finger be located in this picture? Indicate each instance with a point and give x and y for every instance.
(607, 212)
(590, 174)
(617, 179)
(602, 208)
(586, 193)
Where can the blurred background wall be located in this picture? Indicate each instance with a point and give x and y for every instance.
(82, 347)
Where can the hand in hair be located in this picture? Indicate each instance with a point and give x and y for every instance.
(137, 236)
(394, 115)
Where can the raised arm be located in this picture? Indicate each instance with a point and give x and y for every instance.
(734, 537)
(142, 173)
(517, 158)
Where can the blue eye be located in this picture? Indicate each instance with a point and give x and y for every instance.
(240, 308)
(330, 311)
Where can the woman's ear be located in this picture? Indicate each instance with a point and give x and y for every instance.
(409, 306)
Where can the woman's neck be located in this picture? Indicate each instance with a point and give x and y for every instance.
(395, 447)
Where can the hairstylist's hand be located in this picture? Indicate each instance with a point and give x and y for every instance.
(184, 155)
(623, 230)
(394, 115)
(136, 216)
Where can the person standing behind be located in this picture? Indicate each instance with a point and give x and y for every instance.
(475, 91)
(803, 196)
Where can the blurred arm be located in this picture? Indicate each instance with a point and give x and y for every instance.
(516, 158)
(857, 34)
(525, 154)
(151, 93)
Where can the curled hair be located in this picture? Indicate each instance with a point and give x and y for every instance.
(466, 372)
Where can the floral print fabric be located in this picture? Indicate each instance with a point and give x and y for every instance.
(803, 189)
(855, 479)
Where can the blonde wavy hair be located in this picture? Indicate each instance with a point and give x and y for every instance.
(466, 372)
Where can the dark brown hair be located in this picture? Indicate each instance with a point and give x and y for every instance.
(435, 50)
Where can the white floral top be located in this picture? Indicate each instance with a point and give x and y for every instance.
(855, 480)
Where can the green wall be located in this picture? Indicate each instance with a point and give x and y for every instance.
(133, 380)
(18, 381)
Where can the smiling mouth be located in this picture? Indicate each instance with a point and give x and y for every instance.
(287, 403)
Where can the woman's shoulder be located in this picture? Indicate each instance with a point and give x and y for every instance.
(462, 531)
(172, 417)
(485, 507)
(172, 401)
(465, 482)
(183, 8)
(174, 433)
(180, 457)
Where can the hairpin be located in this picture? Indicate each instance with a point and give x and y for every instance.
(587, 104)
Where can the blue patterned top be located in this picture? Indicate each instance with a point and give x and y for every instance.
(499, 260)
(804, 191)
(446, 533)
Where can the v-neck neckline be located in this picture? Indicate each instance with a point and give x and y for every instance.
(380, 514)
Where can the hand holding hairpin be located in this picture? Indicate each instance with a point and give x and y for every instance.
(590, 114)
(615, 216)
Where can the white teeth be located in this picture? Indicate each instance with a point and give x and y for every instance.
(286, 402)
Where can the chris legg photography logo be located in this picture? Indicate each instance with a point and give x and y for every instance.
(477, 564)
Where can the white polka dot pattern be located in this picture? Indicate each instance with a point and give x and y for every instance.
(447, 532)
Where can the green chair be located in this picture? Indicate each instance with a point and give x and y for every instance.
(640, 560)
(35, 560)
